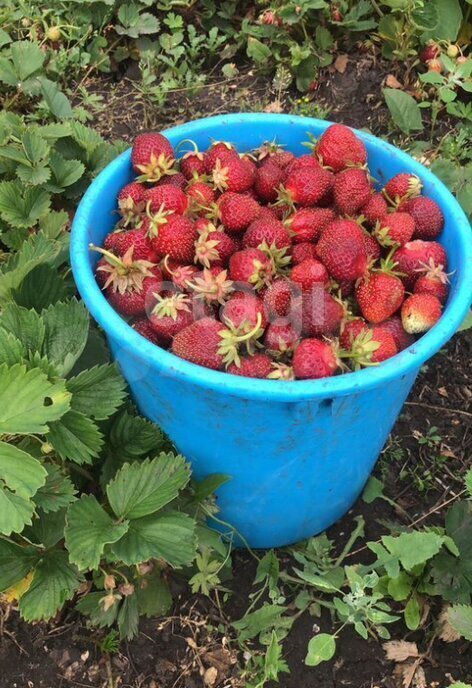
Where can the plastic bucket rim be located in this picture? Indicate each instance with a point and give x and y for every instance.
(404, 363)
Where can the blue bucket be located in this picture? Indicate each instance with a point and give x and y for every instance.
(299, 453)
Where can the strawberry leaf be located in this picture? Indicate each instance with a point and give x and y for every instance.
(20, 206)
(57, 492)
(76, 437)
(67, 325)
(40, 288)
(29, 401)
(170, 537)
(15, 563)
(98, 392)
(55, 581)
(139, 489)
(89, 528)
(460, 618)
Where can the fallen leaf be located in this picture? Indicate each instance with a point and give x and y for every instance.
(405, 672)
(443, 392)
(446, 632)
(210, 676)
(340, 63)
(400, 650)
(419, 679)
(392, 82)
(275, 106)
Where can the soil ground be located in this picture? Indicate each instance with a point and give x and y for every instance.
(175, 651)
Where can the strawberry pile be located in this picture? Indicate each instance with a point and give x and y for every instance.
(268, 265)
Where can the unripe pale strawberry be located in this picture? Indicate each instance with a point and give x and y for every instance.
(420, 312)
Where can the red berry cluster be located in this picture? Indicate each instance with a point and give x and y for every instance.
(268, 265)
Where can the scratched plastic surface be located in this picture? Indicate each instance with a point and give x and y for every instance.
(299, 453)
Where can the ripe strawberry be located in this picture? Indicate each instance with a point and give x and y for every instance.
(433, 281)
(138, 239)
(233, 175)
(200, 194)
(339, 147)
(257, 366)
(267, 180)
(427, 215)
(209, 343)
(379, 296)
(176, 179)
(199, 343)
(401, 338)
(251, 265)
(351, 190)
(268, 232)
(131, 299)
(309, 273)
(429, 52)
(372, 247)
(306, 186)
(301, 252)
(165, 198)
(341, 249)
(420, 312)
(282, 158)
(179, 274)
(303, 161)
(374, 345)
(144, 328)
(192, 163)
(152, 156)
(168, 314)
(221, 151)
(314, 359)
(414, 255)
(242, 310)
(237, 211)
(306, 224)
(322, 314)
(214, 247)
(375, 209)
(176, 239)
(131, 202)
(281, 337)
(395, 229)
(211, 285)
(350, 331)
(402, 187)
(282, 298)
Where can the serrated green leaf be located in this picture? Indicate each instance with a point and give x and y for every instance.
(460, 618)
(55, 581)
(264, 618)
(65, 172)
(321, 648)
(4, 38)
(413, 549)
(28, 401)
(400, 587)
(86, 137)
(139, 489)
(57, 492)
(453, 574)
(40, 288)
(170, 537)
(15, 511)
(46, 529)
(37, 250)
(449, 20)
(54, 223)
(404, 110)
(27, 58)
(128, 618)
(67, 325)
(20, 471)
(135, 436)
(56, 101)
(90, 606)
(34, 146)
(95, 352)
(154, 598)
(20, 206)
(373, 490)
(257, 51)
(11, 349)
(205, 488)
(34, 175)
(89, 528)
(76, 437)
(15, 563)
(26, 325)
(98, 392)
(52, 132)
